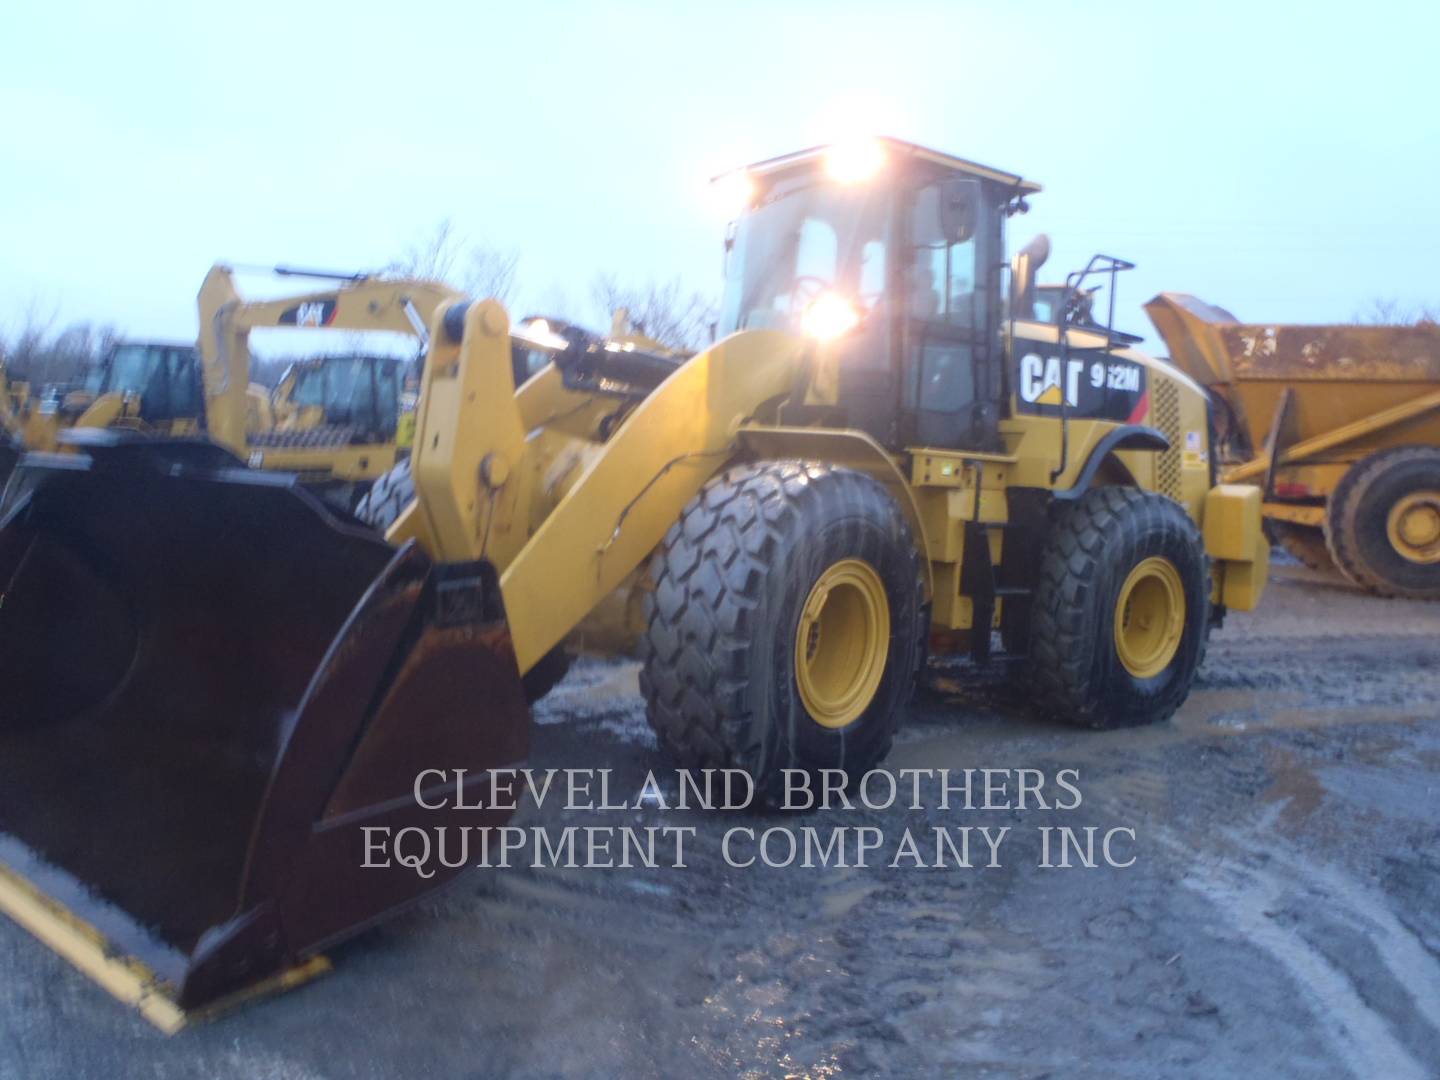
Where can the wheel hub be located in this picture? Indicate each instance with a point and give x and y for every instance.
(1149, 617)
(842, 642)
(1413, 527)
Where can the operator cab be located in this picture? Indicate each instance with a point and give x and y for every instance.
(890, 257)
(164, 377)
(357, 391)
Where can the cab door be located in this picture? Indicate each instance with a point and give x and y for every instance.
(949, 336)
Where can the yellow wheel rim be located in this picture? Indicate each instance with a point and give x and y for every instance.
(842, 642)
(1150, 617)
(1414, 526)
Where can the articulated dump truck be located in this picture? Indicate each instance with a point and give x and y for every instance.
(1340, 425)
(214, 683)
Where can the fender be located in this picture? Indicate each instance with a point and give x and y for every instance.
(1124, 437)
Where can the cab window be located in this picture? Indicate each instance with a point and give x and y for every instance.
(942, 278)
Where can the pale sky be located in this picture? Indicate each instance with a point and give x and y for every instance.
(1282, 160)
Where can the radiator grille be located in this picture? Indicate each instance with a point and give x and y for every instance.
(1167, 420)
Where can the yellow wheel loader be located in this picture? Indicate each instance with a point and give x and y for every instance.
(1340, 425)
(215, 686)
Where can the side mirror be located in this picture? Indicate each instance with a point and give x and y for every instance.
(959, 208)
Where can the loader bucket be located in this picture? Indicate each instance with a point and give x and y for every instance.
(211, 687)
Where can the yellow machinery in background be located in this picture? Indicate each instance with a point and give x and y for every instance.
(1340, 425)
(332, 420)
(150, 387)
(14, 398)
(236, 688)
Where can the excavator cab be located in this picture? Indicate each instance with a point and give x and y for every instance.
(357, 391)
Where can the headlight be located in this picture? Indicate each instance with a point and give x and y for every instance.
(829, 316)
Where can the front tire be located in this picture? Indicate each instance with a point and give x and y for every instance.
(1120, 611)
(784, 631)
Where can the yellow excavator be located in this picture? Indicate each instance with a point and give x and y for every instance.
(331, 420)
(215, 686)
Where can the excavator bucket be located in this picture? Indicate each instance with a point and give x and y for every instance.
(210, 689)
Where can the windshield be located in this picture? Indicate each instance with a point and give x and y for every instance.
(359, 390)
(130, 369)
(163, 376)
(808, 239)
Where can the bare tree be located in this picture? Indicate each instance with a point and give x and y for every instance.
(490, 273)
(666, 311)
(1382, 311)
(26, 350)
(445, 254)
(40, 357)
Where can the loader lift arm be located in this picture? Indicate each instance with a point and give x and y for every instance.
(472, 464)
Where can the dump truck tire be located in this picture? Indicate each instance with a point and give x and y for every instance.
(764, 556)
(382, 506)
(1121, 610)
(1383, 523)
(1304, 543)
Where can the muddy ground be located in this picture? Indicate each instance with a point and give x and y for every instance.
(1281, 918)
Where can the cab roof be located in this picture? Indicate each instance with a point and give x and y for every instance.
(905, 149)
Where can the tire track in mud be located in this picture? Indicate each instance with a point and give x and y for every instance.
(1268, 894)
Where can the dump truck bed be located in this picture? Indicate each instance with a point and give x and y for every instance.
(1337, 375)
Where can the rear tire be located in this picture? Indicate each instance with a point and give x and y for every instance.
(765, 557)
(1383, 523)
(1127, 557)
(382, 506)
(1304, 543)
